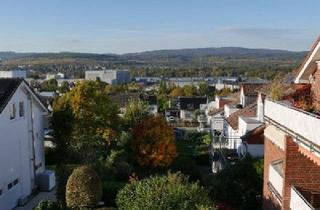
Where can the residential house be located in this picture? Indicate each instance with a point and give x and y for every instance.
(17, 73)
(292, 144)
(188, 105)
(249, 91)
(22, 162)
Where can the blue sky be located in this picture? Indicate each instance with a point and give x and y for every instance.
(120, 26)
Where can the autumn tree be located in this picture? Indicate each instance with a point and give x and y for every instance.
(154, 142)
(177, 91)
(94, 119)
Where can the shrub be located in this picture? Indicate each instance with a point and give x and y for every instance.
(47, 205)
(63, 172)
(163, 192)
(83, 188)
(187, 166)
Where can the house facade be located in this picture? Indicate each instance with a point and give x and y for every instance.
(292, 144)
(21, 142)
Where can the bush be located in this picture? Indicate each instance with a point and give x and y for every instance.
(47, 205)
(163, 192)
(83, 188)
(63, 172)
(202, 160)
(187, 166)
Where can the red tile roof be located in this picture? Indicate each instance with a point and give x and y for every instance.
(249, 111)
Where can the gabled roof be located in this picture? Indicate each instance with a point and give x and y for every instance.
(7, 88)
(249, 111)
(309, 65)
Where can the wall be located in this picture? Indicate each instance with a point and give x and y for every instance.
(271, 153)
(16, 150)
(299, 171)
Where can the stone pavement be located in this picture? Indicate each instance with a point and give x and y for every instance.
(40, 197)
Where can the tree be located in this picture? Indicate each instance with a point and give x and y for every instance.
(190, 90)
(49, 85)
(84, 188)
(135, 112)
(177, 91)
(172, 192)
(240, 185)
(153, 142)
(94, 119)
(64, 87)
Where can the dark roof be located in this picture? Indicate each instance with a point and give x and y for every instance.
(191, 103)
(8, 86)
(249, 111)
(255, 136)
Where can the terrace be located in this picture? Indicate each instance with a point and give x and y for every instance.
(302, 125)
(304, 200)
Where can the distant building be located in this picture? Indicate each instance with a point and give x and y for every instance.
(187, 106)
(19, 73)
(113, 77)
(55, 76)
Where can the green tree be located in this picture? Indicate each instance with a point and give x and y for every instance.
(93, 120)
(64, 87)
(240, 185)
(190, 90)
(135, 112)
(172, 192)
(49, 85)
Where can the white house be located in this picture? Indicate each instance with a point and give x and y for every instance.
(22, 163)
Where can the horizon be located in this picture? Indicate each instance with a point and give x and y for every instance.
(104, 27)
(173, 49)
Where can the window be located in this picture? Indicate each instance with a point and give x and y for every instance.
(15, 182)
(0, 192)
(21, 109)
(10, 185)
(13, 111)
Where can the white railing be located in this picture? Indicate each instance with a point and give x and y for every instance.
(275, 179)
(297, 201)
(299, 122)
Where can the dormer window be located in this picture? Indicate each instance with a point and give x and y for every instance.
(13, 111)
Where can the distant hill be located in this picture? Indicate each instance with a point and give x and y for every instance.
(233, 61)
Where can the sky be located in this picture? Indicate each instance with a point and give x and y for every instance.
(122, 26)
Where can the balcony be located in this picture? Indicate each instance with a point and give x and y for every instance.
(276, 178)
(303, 126)
(304, 200)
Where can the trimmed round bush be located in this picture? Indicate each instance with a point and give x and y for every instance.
(163, 192)
(84, 188)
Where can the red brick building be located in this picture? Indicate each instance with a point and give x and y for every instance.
(292, 142)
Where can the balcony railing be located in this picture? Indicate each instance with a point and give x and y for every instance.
(298, 201)
(276, 179)
(303, 126)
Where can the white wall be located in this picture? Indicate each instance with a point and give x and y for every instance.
(16, 150)
(301, 123)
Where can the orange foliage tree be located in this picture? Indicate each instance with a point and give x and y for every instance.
(154, 142)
